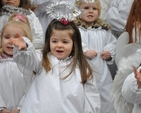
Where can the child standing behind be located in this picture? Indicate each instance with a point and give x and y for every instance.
(64, 82)
(8, 8)
(13, 83)
(98, 46)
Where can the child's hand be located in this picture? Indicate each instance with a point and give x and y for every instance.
(90, 54)
(19, 42)
(16, 111)
(105, 55)
(5, 111)
(137, 76)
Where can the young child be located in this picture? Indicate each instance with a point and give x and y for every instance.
(64, 82)
(125, 67)
(98, 46)
(13, 83)
(131, 89)
(22, 7)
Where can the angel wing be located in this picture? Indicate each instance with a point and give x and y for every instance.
(126, 58)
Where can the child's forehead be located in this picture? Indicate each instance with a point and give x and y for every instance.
(93, 4)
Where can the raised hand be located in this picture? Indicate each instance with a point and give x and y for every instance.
(137, 76)
(19, 42)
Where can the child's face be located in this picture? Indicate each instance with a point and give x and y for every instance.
(9, 32)
(89, 12)
(15, 3)
(61, 44)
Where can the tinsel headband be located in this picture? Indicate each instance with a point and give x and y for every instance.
(63, 18)
(9, 10)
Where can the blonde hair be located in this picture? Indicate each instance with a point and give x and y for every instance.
(24, 25)
(79, 2)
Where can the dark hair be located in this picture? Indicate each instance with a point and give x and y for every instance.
(134, 19)
(26, 4)
(77, 52)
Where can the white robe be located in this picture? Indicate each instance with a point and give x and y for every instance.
(117, 15)
(50, 93)
(13, 85)
(130, 90)
(100, 40)
(36, 29)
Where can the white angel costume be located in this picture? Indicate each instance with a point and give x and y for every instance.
(130, 90)
(117, 15)
(35, 25)
(41, 12)
(99, 39)
(127, 56)
(127, 95)
(13, 84)
(50, 93)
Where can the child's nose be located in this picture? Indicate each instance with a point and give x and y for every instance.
(59, 45)
(91, 9)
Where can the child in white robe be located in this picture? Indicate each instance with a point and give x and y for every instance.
(131, 89)
(64, 82)
(126, 64)
(13, 83)
(8, 8)
(98, 46)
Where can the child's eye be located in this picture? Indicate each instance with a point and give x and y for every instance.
(65, 42)
(54, 41)
(86, 8)
(94, 8)
(7, 37)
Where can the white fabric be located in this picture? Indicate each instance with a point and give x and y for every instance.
(36, 29)
(118, 14)
(105, 5)
(13, 85)
(51, 94)
(124, 69)
(122, 41)
(101, 40)
(44, 18)
(131, 92)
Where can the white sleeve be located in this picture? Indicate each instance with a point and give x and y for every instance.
(118, 13)
(130, 90)
(110, 45)
(92, 97)
(37, 31)
(114, 17)
(29, 58)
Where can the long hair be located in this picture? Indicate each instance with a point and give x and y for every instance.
(134, 20)
(77, 52)
(23, 25)
(26, 4)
